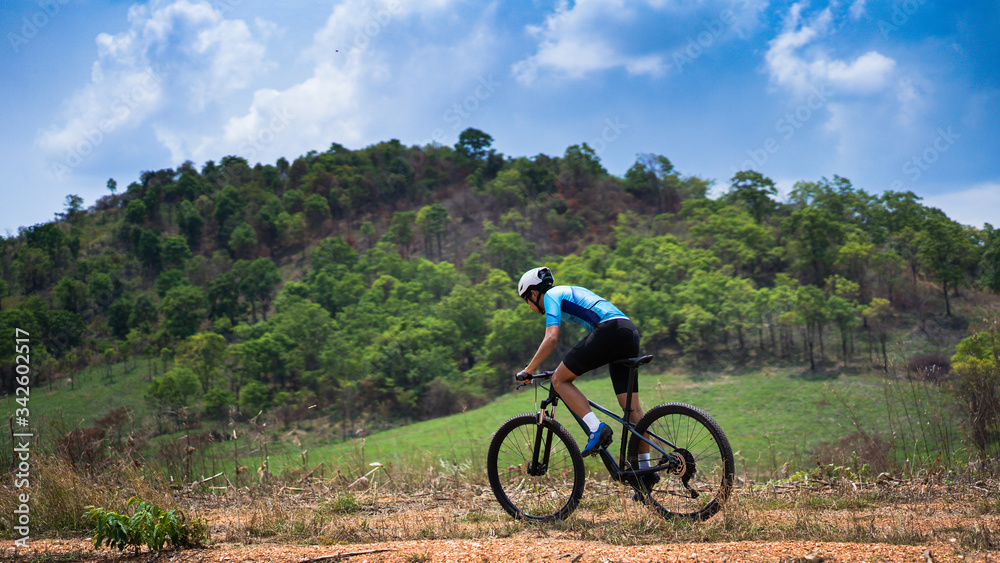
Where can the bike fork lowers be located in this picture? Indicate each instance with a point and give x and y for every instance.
(537, 467)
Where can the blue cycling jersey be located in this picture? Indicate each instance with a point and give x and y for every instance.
(578, 305)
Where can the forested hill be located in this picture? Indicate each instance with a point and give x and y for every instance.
(383, 279)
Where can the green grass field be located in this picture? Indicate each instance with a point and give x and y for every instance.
(772, 416)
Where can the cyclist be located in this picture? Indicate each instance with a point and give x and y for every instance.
(612, 337)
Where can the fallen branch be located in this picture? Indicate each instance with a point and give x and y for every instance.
(196, 483)
(336, 556)
(310, 474)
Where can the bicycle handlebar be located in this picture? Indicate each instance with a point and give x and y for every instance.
(534, 376)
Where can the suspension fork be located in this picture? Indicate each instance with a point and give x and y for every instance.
(539, 467)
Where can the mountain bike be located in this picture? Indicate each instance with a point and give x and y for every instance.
(537, 473)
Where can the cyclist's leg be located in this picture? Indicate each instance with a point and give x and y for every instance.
(562, 380)
(635, 415)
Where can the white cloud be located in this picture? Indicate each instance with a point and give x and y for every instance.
(176, 57)
(362, 76)
(578, 40)
(857, 9)
(800, 71)
(974, 206)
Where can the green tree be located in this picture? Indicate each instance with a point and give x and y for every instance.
(71, 294)
(170, 279)
(989, 264)
(74, 208)
(136, 212)
(258, 284)
(510, 252)
(228, 212)
(878, 316)
(976, 366)
(175, 251)
(102, 290)
(945, 253)
(732, 235)
(150, 249)
(811, 308)
(814, 245)
(255, 398)
(473, 143)
(190, 221)
(224, 296)
(580, 162)
(144, 314)
(335, 292)
(183, 308)
(653, 179)
(293, 201)
(888, 268)
(507, 188)
(317, 210)
(33, 268)
(695, 330)
(331, 253)
(202, 353)
(173, 390)
(401, 231)
(291, 229)
(854, 258)
(243, 242)
(118, 317)
(844, 314)
(755, 191)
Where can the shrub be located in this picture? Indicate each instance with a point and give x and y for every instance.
(149, 525)
(929, 367)
(976, 368)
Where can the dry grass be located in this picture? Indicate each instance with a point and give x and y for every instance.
(891, 512)
(59, 494)
(453, 506)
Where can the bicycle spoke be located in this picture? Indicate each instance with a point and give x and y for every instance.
(527, 487)
(700, 455)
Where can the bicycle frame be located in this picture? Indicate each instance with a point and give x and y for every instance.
(616, 468)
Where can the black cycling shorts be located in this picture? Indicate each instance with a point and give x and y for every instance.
(615, 339)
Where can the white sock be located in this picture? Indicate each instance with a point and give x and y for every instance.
(591, 419)
(644, 461)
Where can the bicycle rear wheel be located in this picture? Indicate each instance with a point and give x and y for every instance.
(535, 475)
(705, 469)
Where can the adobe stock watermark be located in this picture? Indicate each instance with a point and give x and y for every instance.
(612, 130)
(915, 166)
(902, 11)
(257, 142)
(225, 6)
(374, 23)
(460, 111)
(787, 126)
(91, 138)
(712, 30)
(32, 25)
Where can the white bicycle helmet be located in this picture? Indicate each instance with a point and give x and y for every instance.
(536, 278)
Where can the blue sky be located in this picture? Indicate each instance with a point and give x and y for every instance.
(891, 95)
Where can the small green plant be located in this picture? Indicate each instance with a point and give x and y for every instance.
(149, 525)
(345, 503)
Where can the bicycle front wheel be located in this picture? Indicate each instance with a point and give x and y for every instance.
(536, 471)
(700, 454)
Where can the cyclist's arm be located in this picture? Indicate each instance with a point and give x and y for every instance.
(545, 348)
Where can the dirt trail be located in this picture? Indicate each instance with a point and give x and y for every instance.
(892, 522)
(520, 548)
